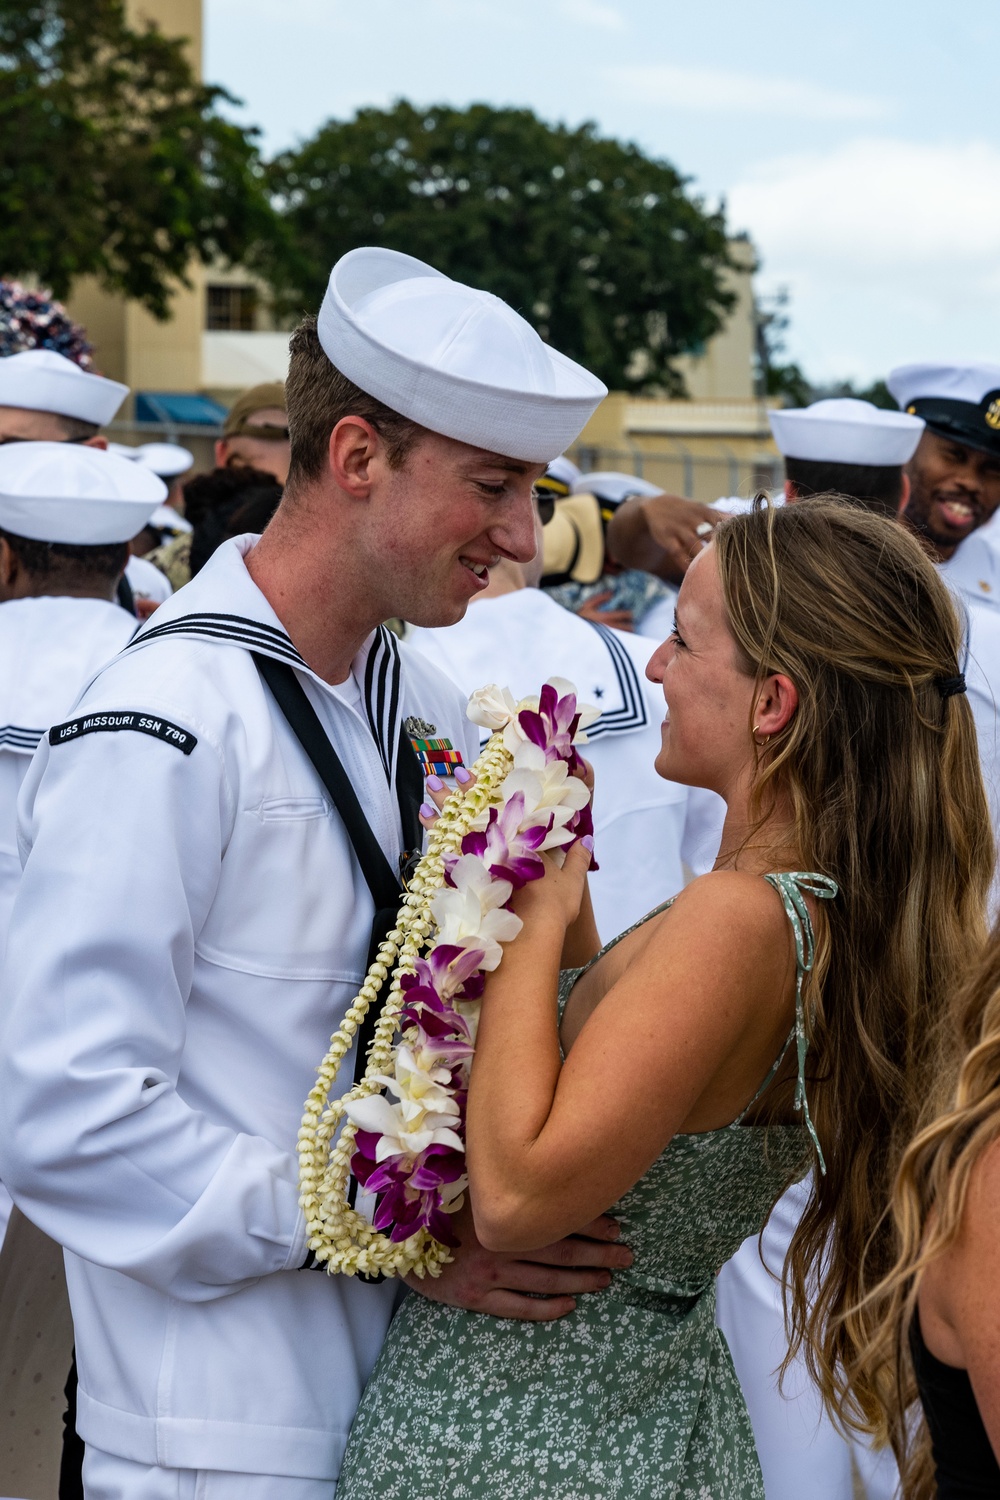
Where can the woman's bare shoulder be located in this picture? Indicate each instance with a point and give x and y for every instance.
(724, 926)
(731, 917)
(732, 896)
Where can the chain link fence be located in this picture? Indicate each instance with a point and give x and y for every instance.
(679, 471)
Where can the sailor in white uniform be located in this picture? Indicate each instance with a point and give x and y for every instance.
(650, 834)
(59, 621)
(853, 448)
(168, 996)
(46, 397)
(954, 475)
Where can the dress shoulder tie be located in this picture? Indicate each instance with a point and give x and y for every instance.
(793, 886)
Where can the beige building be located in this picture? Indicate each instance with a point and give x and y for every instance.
(220, 339)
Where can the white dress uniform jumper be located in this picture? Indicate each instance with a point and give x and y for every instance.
(213, 927)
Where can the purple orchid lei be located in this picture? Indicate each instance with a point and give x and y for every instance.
(410, 1149)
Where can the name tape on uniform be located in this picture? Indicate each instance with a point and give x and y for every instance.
(160, 729)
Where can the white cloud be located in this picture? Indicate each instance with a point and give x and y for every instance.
(592, 13)
(731, 91)
(891, 250)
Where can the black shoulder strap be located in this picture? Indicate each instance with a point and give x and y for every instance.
(291, 698)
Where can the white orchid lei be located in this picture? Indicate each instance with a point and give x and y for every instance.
(409, 1148)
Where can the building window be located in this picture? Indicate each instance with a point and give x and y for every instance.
(232, 309)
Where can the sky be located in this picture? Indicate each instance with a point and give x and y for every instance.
(855, 142)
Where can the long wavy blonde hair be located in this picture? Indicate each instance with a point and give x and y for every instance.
(927, 1205)
(881, 769)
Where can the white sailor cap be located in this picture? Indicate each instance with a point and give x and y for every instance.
(165, 518)
(846, 431)
(560, 475)
(614, 487)
(59, 492)
(165, 459)
(957, 401)
(41, 380)
(456, 360)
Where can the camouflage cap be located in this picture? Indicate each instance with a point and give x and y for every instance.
(257, 398)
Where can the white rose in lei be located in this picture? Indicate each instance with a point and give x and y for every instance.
(491, 707)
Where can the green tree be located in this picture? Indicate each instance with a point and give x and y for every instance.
(114, 159)
(597, 245)
(775, 375)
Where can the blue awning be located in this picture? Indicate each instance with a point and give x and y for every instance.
(181, 409)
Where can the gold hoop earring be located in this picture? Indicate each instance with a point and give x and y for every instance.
(760, 743)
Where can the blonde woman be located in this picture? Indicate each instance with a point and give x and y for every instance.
(938, 1334)
(782, 1011)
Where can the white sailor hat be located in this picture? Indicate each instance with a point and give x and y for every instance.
(58, 492)
(165, 459)
(846, 431)
(560, 475)
(41, 380)
(165, 518)
(957, 401)
(612, 487)
(456, 360)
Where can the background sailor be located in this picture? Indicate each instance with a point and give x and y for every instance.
(44, 396)
(954, 475)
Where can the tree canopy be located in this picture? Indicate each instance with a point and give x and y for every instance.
(600, 247)
(115, 160)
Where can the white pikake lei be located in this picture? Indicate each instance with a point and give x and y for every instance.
(409, 1149)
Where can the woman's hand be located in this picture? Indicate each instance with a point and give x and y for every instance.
(556, 899)
(560, 901)
(438, 793)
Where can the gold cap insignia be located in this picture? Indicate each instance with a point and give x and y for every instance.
(992, 414)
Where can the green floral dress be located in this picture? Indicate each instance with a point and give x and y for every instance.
(631, 1397)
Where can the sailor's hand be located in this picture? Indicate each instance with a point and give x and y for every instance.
(682, 528)
(536, 1287)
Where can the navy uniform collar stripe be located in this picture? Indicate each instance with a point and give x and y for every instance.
(224, 627)
(633, 714)
(382, 696)
(222, 633)
(256, 625)
(15, 734)
(393, 706)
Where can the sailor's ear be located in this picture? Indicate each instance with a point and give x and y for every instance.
(354, 443)
(904, 493)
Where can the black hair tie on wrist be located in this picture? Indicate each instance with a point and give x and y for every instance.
(949, 686)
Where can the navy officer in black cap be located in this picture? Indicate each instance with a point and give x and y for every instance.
(955, 472)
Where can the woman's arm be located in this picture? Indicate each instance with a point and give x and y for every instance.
(550, 1147)
(581, 941)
